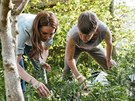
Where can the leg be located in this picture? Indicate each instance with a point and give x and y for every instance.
(66, 71)
(98, 54)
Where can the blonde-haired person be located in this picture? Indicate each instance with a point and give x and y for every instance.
(35, 35)
(86, 36)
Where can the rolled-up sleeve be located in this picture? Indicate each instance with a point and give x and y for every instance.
(24, 28)
(21, 39)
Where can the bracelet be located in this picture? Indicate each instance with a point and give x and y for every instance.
(36, 85)
(79, 77)
(30, 81)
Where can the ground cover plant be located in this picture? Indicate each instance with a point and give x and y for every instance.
(120, 87)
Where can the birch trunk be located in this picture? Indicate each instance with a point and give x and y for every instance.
(12, 80)
(111, 9)
(11, 76)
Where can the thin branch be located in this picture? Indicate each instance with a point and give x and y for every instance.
(20, 8)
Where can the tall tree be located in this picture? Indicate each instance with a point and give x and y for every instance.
(8, 14)
(111, 9)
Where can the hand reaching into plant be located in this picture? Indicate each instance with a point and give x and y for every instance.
(81, 78)
(110, 63)
(47, 67)
(42, 90)
(85, 86)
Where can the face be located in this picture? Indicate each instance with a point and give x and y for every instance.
(85, 38)
(47, 32)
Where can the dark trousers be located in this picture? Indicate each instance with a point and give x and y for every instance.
(97, 53)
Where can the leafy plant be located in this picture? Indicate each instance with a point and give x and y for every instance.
(67, 14)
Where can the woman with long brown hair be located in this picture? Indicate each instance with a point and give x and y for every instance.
(36, 34)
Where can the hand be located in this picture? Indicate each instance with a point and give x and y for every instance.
(47, 67)
(110, 63)
(41, 89)
(81, 78)
(85, 85)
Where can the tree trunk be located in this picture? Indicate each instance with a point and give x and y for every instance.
(12, 80)
(111, 8)
(114, 52)
(17, 3)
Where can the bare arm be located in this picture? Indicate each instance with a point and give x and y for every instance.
(23, 74)
(108, 41)
(70, 48)
(40, 87)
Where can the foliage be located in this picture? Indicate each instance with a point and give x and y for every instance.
(2, 87)
(119, 82)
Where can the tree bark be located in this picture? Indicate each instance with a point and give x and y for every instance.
(111, 9)
(12, 80)
(11, 76)
(21, 7)
(17, 3)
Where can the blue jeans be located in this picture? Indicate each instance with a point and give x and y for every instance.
(36, 66)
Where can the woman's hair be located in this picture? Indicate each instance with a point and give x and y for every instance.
(87, 22)
(43, 18)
